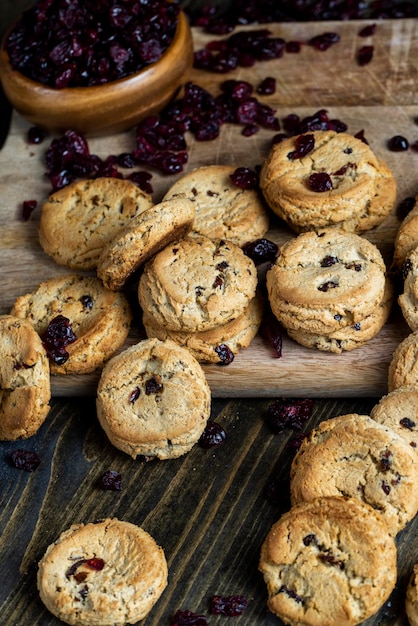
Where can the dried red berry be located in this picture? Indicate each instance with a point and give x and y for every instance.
(261, 250)
(188, 618)
(111, 480)
(57, 336)
(28, 207)
(320, 182)
(304, 145)
(212, 436)
(398, 143)
(25, 459)
(271, 330)
(407, 423)
(244, 178)
(367, 31)
(225, 354)
(324, 41)
(228, 605)
(267, 86)
(153, 385)
(36, 135)
(365, 55)
(283, 414)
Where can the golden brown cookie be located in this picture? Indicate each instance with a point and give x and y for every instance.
(24, 379)
(99, 318)
(328, 562)
(208, 346)
(406, 237)
(398, 410)
(153, 400)
(408, 300)
(79, 219)
(338, 182)
(349, 337)
(106, 573)
(324, 281)
(403, 367)
(223, 210)
(353, 455)
(145, 235)
(197, 284)
(411, 600)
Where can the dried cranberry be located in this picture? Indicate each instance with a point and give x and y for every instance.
(244, 178)
(304, 145)
(283, 414)
(28, 207)
(320, 182)
(261, 250)
(225, 354)
(212, 436)
(94, 563)
(329, 284)
(271, 330)
(365, 55)
(228, 605)
(296, 441)
(267, 87)
(111, 480)
(153, 385)
(293, 47)
(57, 336)
(291, 594)
(324, 41)
(134, 395)
(87, 302)
(36, 135)
(367, 31)
(188, 618)
(25, 459)
(407, 423)
(329, 260)
(398, 143)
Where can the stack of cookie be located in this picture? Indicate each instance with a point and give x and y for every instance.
(329, 290)
(324, 179)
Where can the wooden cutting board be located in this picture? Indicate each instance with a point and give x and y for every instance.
(380, 98)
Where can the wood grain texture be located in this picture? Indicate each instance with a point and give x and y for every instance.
(376, 98)
(209, 509)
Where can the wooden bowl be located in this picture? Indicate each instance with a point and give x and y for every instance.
(102, 109)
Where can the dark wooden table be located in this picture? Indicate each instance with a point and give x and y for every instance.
(209, 509)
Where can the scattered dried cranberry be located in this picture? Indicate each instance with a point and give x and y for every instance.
(267, 87)
(261, 250)
(367, 31)
(25, 459)
(271, 330)
(28, 207)
(324, 41)
(111, 480)
(244, 178)
(296, 441)
(225, 354)
(293, 47)
(212, 436)
(398, 143)
(228, 605)
(365, 55)
(304, 145)
(320, 182)
(188, 618)
(85, 42)
(36, 135)
(283, 414)
(58, 335)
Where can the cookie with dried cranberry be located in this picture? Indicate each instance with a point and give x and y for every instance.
(223, 210)
(408, 300)
(25, 390)
(324, 281)
(79, 219)
(153, 400)
(406, 237)
(352, 336)
(411, 600)
(90, 321)
(106, 573)
(354, 455)
(398, 410)
(219, 344)
(197, 283)
(324, 179)
(328, 562)
(403, 367)
(145, 235)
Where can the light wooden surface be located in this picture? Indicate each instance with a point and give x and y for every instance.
(378, 98)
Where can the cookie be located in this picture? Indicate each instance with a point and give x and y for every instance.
(324, 281)
(79, 219)
(197, 284)
(223, 210)
(349, 337)
(406, 237)
(328, 562)
(106, 573)
(403, 367)
(153, 400)
(398, 410)
(209, 346)
(24, 379)
(408, 300)
(411, 600)
(145, 235)
(99, 318)
(353, 455)
(338, 182)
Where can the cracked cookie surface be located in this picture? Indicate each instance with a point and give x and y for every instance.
(197, 284)
(328, 562)
(106, 573)
(153, 400)
(399, 410)
(361, 192)
(353, 455)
